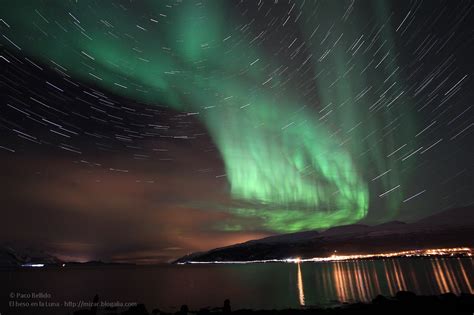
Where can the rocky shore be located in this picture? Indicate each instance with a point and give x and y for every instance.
(403, 302)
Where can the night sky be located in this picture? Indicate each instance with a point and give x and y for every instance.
(145, 130)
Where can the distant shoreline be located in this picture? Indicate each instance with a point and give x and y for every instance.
(460, 252)
(75, 265)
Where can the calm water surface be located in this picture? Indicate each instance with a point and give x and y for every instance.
(256, 286)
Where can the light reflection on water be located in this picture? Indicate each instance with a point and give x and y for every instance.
(300, 285)
(362, 280)
(255, 286)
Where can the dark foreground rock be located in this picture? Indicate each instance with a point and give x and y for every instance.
(403, 302)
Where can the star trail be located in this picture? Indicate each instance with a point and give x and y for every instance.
(192, 124)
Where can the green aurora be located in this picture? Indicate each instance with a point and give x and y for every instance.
(286, 163)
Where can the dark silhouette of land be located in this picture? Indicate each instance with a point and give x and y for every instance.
(447, 229)
(403, 302)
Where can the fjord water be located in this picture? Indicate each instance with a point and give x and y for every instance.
(256, 286)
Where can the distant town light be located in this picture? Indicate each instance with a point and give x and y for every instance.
(466, 251)
(33, 265)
